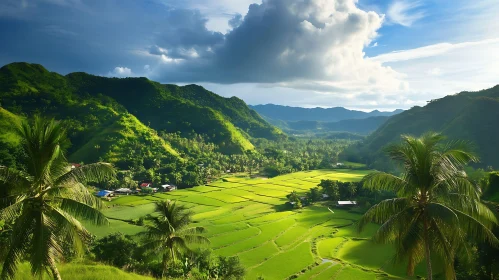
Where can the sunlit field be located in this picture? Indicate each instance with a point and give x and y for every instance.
(248, 218)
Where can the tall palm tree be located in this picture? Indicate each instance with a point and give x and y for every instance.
(169, 233)
(437, 209)
(45, 200)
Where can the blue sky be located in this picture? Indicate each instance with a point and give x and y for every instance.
(366, 54)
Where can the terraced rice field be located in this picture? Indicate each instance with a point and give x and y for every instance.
(248, 218)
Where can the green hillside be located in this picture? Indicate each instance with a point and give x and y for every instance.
(114, 119)
(233, 108)
(470, 116)
(8, 140)
(84, 272)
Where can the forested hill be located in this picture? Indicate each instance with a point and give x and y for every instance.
(286, 113)
(113, 119)
(470, 116)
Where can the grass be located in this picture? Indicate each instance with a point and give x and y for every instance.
(258, 255)
(349, 273)
(233, 237)
(245, 217)
(114, 226)
(129, 212)
(329, 273)
(309, 274)
(366, 253)
(327, 247)
(285, 264)
(291, 235)
(84, 272)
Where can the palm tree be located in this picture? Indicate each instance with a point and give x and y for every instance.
(169, 233)
(437, 209)
(45, 200)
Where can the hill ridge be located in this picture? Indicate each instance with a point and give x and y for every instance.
(134, 109)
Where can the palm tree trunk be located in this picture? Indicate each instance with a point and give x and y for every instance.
(427, 250)
(165, 266)
(55, 272)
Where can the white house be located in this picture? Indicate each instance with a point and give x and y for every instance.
(346, 203)
(168, 188)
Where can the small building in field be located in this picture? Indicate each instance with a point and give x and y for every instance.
(346, 204)
(123, 191)
(168, 187)
(325, 196)
(105, 193)
(145, 185)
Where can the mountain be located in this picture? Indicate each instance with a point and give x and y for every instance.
(470, 116)
(357, 126)
(116, 119)
(286, 113)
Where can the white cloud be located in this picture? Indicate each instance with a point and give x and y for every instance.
(405, 12)
(428, 51)
(435, 71)
(218, 12)
(316, 45)
(121, 72)
(447, 68)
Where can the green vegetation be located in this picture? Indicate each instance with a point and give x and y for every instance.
(268, 204)
(437, 210)
(85, 272)
(185, 136)
(264, 236)
(44, 202)
(169, 234)
(469, 116)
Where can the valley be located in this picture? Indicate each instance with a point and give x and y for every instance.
(249, 218)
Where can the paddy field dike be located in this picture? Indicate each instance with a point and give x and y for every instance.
(248, 218)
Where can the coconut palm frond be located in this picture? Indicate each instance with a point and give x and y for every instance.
(95, 172)
(438, 208)
(46, 201)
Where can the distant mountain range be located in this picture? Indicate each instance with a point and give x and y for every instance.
(355, 126)
(293, 114)
(470, 116)
(297, 120)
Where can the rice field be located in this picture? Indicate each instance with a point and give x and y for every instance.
(248, 218)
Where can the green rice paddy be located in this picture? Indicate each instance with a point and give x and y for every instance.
(248, 218)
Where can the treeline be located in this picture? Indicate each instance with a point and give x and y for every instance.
(204, 163)
(333, 190)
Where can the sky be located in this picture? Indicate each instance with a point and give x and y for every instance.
(359, 54)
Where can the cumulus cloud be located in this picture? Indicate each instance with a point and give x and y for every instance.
(405, 12)
(435, 71)
(429, 51)
(311, 44)
(121, 72)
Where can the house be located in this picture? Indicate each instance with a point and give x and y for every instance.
(168, 188)
(346, 203)
(123, 191)
(325, 196)
(75, 165)
(339, 164)
(145, 185)
(105, 193)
